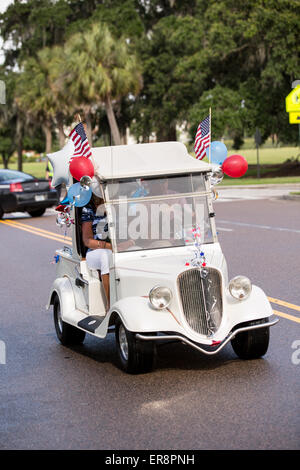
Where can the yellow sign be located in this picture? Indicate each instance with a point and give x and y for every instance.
(294, 118)
(292, 101)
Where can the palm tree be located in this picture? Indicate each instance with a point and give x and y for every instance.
(35, 97)
(100, 70)
(38, 95)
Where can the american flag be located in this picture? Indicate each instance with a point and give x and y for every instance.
(202, 139)
(82, 147)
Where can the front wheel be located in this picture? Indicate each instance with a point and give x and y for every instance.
(67, 334)
(251, 344)
(135, 356)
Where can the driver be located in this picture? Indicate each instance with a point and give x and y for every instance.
(95, 238)
(98, 244)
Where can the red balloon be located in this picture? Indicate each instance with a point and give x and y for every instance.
(235, 166)
(81, 166)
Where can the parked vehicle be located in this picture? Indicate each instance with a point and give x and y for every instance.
(20, 192)
(172, 282)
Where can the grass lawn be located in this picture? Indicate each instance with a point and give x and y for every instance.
(267, 156)
(244, 181)
(36, 169)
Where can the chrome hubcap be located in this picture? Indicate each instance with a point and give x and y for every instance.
(123, 342)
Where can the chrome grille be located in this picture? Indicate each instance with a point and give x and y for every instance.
(201, 299)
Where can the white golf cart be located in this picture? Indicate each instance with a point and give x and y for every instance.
(171, 281)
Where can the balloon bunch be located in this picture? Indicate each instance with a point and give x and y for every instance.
(234, 166)
(79, 194)
(63, 217)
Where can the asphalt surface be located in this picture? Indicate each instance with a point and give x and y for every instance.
(53, 397)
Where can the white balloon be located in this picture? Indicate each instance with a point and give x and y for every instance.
(60, 163)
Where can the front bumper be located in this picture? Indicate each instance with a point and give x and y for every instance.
(218, 346)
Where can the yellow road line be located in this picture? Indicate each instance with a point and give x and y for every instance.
(35, 233)
(284, 304)
(38, 229)
(286, 315)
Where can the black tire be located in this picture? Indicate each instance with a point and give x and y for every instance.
(1, 212)
(67, 334)
(37, 212)
(140, 355)
(251, 344)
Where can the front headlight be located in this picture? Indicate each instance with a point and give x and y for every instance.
(160, 297)
(240, 287)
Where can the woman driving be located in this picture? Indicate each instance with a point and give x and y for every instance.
(95, 238)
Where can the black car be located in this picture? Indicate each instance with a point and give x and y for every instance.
(20, 192)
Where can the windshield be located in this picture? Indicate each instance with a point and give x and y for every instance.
(159, 212)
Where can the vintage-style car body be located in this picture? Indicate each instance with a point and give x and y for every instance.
(172, 282)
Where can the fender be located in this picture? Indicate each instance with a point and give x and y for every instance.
(138, 315)
(62, 287)
(255, 307)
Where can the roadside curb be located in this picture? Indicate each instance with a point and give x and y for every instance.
(291, 197)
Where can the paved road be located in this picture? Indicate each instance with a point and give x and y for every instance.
(53, 397)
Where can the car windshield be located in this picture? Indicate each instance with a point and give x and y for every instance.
(7, 175)
(159, 212)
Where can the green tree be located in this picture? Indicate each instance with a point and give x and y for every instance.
(32, 25)
(100, 70)
(171, 86)
(253, 47)
(36, 95)
(9, 117)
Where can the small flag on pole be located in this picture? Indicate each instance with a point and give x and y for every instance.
(82, 147)
(202, 140)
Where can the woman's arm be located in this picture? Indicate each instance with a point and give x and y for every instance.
(88, 238)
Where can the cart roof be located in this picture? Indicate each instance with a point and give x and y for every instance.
(137, 160)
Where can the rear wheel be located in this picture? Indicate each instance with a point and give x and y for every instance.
(251, 344)
(135, 356)
(67, 334)
(1, 212)
(37, 212)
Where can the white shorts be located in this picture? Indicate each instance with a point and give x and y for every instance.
(99, 259)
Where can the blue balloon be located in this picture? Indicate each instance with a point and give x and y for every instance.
(79, 196)
(218, 152)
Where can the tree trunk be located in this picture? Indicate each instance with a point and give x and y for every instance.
(48, 135)
(112, 121)
(60, 127)
(5, 160)
(167, 134)
(19, 136)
